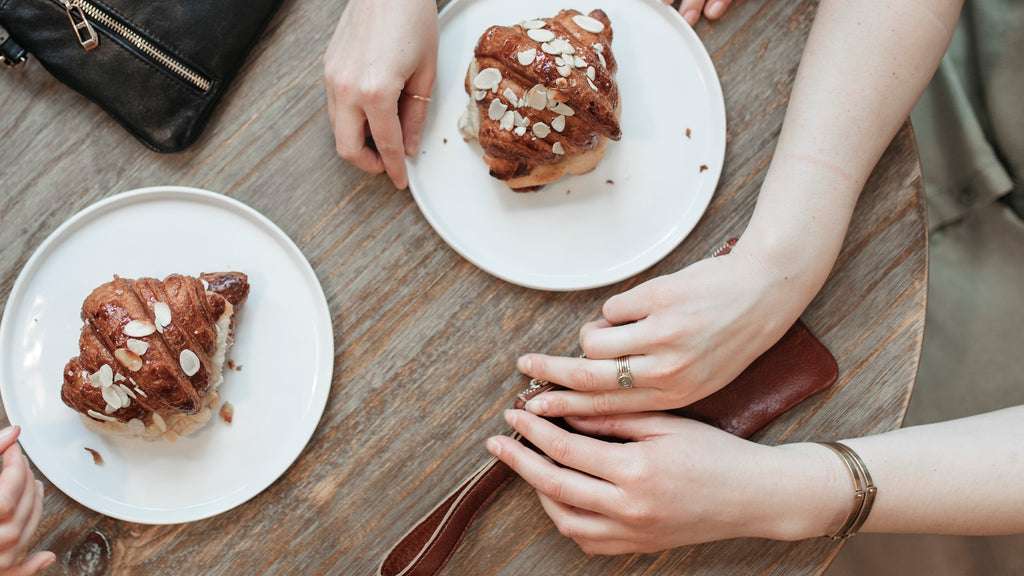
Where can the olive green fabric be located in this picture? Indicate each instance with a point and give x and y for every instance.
(970, 121)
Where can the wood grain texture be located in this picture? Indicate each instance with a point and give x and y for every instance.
(425, 343)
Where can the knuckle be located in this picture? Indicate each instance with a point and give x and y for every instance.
(588, 546)
(583, 379)
(551, 486)
(8, 538)
(602, 404)
(560, 449)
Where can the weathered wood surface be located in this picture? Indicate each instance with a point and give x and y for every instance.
(425, 342)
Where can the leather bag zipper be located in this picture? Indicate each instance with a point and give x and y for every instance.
(80, 12)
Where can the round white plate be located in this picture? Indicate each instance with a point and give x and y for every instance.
(585, 231)
(283, 354)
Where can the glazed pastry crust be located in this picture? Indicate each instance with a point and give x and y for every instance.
(151, 351)
(584, 94)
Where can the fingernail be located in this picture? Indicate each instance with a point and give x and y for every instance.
(524, 364)
(50, 561)
(494, 447)
(510, 417)
(7, 433)
(715, 9)
(538, 406)
(691, 17)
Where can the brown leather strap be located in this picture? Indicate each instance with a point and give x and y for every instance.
(425, 549)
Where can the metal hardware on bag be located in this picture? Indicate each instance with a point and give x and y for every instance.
(86, 34)
(12, 56)
(86, 10)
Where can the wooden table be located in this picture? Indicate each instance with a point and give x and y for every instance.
(425, 343)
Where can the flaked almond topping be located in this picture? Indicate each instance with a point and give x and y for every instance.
(591, 73)
(589, 24)
(158, 421)
(206, 285)
(507, 120)
(562, 108)
(510, 96)
(127, 391)
(592, 85)
(532, 24)
(103, 377)
(162, 313)
(189, 362)
(526, 57)
(488, 79)
(537, 98)
(598, 47)
(521, 120)
(564, 70)
(496, 110)
(171, 436)
(520, 131)
(561, 83)
(540, 35)
(559, 61)
(129, 359)
(140, 392)
(119, 378)
(139, 328)
(601, 58)
(480, 95)
(550, 49)
(541, 130)
(557, 148)
(98, 416)
(564, 46)
(137, 346)
(558, 123)
(136, 427)
(113, 398)
(578, 62)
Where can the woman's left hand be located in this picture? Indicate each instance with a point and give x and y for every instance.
(675, 482)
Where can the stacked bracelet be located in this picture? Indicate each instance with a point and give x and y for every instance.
(864, 490)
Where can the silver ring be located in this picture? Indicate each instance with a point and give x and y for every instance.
(625, 376)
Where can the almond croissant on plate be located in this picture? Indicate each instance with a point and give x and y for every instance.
(151, 353)
(543, 98)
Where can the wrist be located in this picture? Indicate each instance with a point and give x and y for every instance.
(812, 495)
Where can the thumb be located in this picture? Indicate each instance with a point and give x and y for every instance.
(632, 427)
(7, 437)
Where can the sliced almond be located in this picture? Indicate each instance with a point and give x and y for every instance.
(507, 120)
(129, 359)
(479, 95)
(532, 24)
(598, 47)
(510, 96)
(520, 120)
(564, 70)
(127, 391)
(558, 123)
(139, 328)
(112, 398)
(162, 313)
(136, 427)
(189, 362)
(541, 130)
(520, 131)
(601, 58)
(591, 73)
(578, 62)
(562, 108)
(119, 378)
(589, 24)
(98, 416)
(496, 110)
(137, 346)
(158, 421)
(557, 148)
(537, 99)
(488, 79)
(527, 57)
(540, 35)
(550, 49)
(592, 85)
(103, 377)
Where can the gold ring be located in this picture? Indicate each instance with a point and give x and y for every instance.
(625, 376)
(416, 96)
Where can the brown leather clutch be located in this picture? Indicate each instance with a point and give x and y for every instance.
(795, 368)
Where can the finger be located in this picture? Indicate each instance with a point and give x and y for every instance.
(715, 8)
(690, 9)
(8, 436)
(12, 482)
(412, 112)
(18, 530)
(632, 305)
(350, 134)
(613, 341)
(35, 514)
(632, 427)
(578, 523)
(32, 565)
(602, 403)
(576, 373)
(387, 135)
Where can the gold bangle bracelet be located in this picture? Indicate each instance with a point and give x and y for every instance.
(864, 490)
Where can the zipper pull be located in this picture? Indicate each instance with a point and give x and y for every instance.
(86, 34)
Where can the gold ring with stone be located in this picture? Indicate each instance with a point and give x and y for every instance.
(416, 96)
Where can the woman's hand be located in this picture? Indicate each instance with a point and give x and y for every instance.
(21, 506)
(687, 335)
(674, 482)
(691, 9)
(379, 69)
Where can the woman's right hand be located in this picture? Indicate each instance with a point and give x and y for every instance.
(21, 507)
(692, 9)
(379, 69)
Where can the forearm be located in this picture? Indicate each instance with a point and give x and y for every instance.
(864, 67)
(956, 477)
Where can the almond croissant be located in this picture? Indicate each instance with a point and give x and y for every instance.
(151, 353)
(543, 98)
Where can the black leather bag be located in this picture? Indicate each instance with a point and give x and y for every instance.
(158, 67)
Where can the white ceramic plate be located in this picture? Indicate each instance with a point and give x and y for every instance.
(284, 350)
(581, 231)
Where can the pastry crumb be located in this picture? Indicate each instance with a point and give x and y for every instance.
(227, 412)
(96, 458)
(703, 167)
